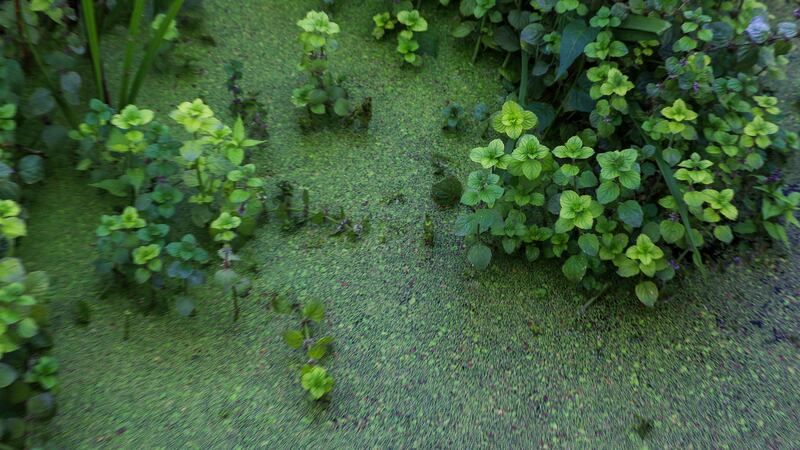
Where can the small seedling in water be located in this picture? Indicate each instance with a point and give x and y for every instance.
(643, 427)
(427, 228)
(83, 312)
(313, 377)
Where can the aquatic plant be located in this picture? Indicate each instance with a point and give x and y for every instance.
(406, 20)
(314, 378)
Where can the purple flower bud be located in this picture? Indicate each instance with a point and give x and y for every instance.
(797, 13)
(696, 86)
(675, 266)
(673, 216)
(737, 260)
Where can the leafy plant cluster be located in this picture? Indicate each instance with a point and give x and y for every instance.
(246, 104)
(323, 93)
(28, 375)
(314, 378)
(653, 139)
(205, 179)
(405, 20)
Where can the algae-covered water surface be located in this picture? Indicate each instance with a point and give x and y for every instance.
(428, 352)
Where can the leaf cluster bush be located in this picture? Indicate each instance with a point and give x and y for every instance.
(638, 136)
(405, 20)
(322, 93)
(28, 375)
(314, 378)
(205, 178)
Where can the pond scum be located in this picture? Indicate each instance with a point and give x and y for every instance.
(424, 224)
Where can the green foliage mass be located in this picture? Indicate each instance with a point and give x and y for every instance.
(652, 140)
(206, 178)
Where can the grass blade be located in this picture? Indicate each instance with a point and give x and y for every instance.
(90, 25)
(152, 49)
(133, 33)
(669, 179)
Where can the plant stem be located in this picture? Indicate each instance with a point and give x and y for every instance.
(235, 304)
(592, 300)
(152, 49)
(133, 32)
(478, 43)
(523, 83)
(20, 28)
(69, 114)
(90, 27)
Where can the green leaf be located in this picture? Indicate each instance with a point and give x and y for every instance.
(645, 23)
(314, 310)
(479, 256)
(11, 270)
(631, 213)
(293, 338)
(574, 38)
(27, 328)
(115, 187)
(319, 348)
(40, 102)
(671, 231)
(7, 375)
(723, 233)
(607, 192)
(41, 406)
(31, 169)
(184, 305)
(281, 304)
(647, 292)
(589, 244)
(574, 268)
(463, 29)
(447, 191)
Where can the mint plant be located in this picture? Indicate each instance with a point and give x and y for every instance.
(314, 378)
(322, 93)
(28, 375)
(612, 212)
(406, 20)
(622, 124)
(205, 178)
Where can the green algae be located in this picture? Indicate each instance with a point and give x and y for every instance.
(427, 352)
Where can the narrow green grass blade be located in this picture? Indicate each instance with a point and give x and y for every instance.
(669, 178)
(90, 25)
(133, 33)
(152, 49)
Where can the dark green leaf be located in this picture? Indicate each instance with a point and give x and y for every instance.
(574, 38)
(645, 23)
(31, 169)
(479, 256)
(631, 213)
(447, 191)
